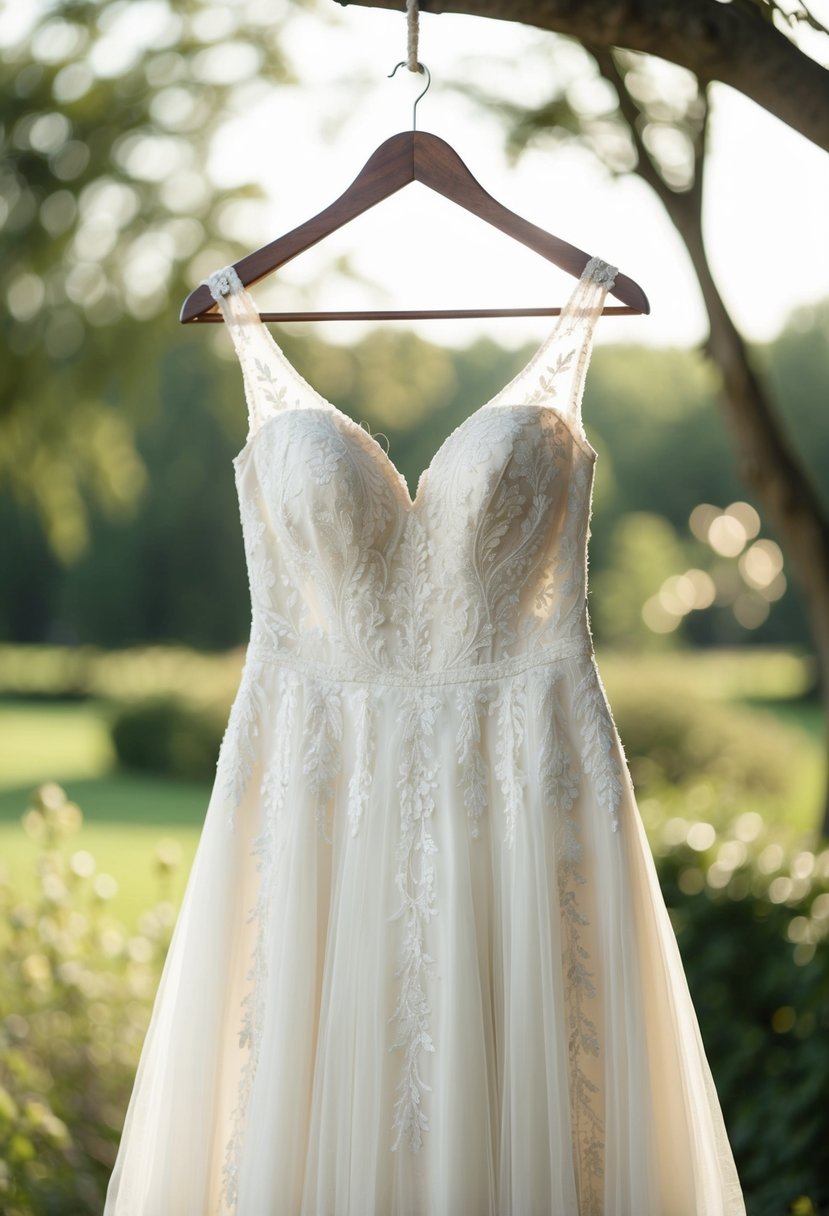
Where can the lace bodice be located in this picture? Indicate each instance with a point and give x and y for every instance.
(485, 567)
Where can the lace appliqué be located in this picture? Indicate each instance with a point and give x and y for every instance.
(322, 753)
(602, 273)
(471, 701)
(560, 791)
(223, 282)
(359, 785)
(411, 595)
(547, 389)
(558, 779)
(415, 881)
(238, 752)
(510, 713)
(266, 847)
(583, 1041)
(599, 743)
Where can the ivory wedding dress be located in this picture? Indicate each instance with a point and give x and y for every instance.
(423, 966)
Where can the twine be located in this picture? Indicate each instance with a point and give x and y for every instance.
(412, 34)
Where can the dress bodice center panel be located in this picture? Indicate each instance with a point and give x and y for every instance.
(486, 563)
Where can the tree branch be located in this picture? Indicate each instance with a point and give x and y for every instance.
(647, 167)
(730, 43)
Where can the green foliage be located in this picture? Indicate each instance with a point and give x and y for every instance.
(643, 551)
(167, 736)
(676, 744)
(74, 1006)
(753, 928)
(752, 921)
(70, 673)
(108, 115)
(798, 367)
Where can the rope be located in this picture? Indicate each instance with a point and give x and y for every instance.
(412, 34)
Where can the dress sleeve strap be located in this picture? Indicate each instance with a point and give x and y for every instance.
(252, 342)
(555, 375)
(578, 327)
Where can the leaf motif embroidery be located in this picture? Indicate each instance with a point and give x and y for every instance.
(598, 742)
(415, 881)
(238, 752)
(322, 756)
(411, 595)
(558, 780)
(359, 786)
(471, 702)
(266, 846)
(509, 709)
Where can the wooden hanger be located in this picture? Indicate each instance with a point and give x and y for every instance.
(411, 156)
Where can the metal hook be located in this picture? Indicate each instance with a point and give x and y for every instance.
(421, 67)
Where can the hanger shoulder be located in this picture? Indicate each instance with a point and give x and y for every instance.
(387, 170)
(438, 166)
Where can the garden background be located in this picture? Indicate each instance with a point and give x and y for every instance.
(124, 606)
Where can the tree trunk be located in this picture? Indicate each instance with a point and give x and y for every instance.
(731, 43)
(766, 460)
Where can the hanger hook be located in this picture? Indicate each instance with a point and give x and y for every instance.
(421, 67)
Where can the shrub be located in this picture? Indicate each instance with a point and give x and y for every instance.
(164, 735)
(753, 927)
(74, 1005)
(676, 741)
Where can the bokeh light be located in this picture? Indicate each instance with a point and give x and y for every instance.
(748, 587)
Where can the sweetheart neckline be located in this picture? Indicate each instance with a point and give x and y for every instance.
(412, 503)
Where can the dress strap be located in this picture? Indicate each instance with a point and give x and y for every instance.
(580, 316)
(254, 346)
(555, 374)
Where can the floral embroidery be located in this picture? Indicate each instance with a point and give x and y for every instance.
(560, 791)
(415, 881)
(411, 594)
(602, 273)
(558, 779)
(509, 709)
(237, 754)
(223, 282)
(547, 387)
(359, 786)
(598, 742)
(266, 847)
(321, 762)
(583, 1041)
(470, 701)
(271, 390)
(324, 460)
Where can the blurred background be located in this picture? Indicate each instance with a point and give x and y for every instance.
(148, 143)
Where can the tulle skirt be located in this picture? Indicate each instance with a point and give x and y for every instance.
(423, 968)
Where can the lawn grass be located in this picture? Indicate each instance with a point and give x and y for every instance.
(126, 799)
(778, 677)
(126, 852)
(775, 685)
(125, 819)
(38, 739)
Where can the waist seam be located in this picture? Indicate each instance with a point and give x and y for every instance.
(264, 651)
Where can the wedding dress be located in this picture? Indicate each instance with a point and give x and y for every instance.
(423, 966)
